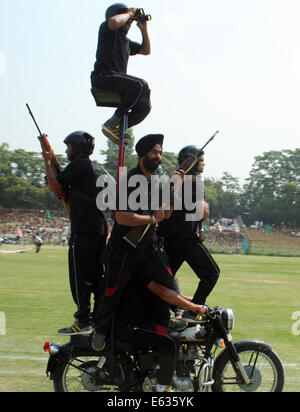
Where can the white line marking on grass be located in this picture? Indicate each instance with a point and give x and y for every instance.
(20, 373)
(29, 358)
(40, 359)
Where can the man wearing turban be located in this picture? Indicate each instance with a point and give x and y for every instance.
(149, 262)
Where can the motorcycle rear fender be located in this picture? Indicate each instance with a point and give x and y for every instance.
(243, 344)
(51, 366)
(55, 361)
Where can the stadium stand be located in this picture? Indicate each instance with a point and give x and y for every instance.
(17, 226)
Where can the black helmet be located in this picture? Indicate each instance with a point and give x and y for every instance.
(81, 142)
(190, 151)
(117, 8)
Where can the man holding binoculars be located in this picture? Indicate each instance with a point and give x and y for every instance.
(110, 71)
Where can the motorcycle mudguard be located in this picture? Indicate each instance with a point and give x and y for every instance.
(51, 366)
(55, 361)
(243, 344)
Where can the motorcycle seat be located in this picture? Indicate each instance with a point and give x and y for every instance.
(83, 343)
(121, 346)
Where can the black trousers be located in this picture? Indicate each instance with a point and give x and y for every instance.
(193, 251)
(86, 273)
(163, 341)
(135, 95)
(119, 267)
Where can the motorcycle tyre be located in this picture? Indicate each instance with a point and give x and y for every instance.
(59, 373)
(244, 346)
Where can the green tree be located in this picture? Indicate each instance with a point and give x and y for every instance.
(28, 166)
(22, 181)
(223, 196)
(5, 164)
(213, 189)
(169, 162)
(112, 155)
(274, 180)
(230, 196)
(16, 192)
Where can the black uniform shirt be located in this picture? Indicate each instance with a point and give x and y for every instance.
(114, 49)
(139, 303)
(120, 230)
(79, 181)
(177, 226)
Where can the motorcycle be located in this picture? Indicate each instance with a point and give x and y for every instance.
(243, 366)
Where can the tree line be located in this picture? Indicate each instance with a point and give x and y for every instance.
(270, 194)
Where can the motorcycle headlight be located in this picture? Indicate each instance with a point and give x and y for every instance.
(228, 319)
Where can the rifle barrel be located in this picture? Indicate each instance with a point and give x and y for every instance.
(196, 159)
(46, 146)
(31, 114)
(210, 140)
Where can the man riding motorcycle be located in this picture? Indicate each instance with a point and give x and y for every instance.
(143, 319)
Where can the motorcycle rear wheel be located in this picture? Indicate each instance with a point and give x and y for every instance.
(262, 366)
(81, 374)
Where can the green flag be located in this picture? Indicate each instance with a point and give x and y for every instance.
(269, 229)
(48, 214)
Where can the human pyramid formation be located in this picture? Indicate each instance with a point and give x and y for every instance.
(133, 287)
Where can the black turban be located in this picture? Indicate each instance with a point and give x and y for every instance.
(146, 143)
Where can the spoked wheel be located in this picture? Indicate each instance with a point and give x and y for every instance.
(263, 367)
(82, 375)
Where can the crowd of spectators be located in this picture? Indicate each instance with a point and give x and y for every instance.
(19, 226)
(224, 234)
(275, 229)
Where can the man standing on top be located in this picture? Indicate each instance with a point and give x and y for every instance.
(110, 71)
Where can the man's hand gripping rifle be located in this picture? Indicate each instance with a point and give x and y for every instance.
(46, 147)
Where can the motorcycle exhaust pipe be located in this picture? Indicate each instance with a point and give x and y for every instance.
(52, 348)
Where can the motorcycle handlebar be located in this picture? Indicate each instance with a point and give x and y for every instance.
(213, 313)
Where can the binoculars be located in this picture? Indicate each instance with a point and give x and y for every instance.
(140, 15)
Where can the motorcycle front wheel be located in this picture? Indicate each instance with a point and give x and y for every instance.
(82, 374)
(262, 365)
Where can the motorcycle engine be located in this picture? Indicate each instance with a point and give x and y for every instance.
(183, 384)
(195, 333)
(185, 366)
(179, 384)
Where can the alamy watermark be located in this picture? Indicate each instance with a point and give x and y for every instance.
(296, 325)
(2, 324)
(133, 194)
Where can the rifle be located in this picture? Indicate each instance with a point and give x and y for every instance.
(136, 235)
(46, 147)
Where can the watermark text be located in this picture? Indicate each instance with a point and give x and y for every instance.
(296, 325)
(136, 193)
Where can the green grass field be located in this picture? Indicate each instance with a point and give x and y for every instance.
(264, 292)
